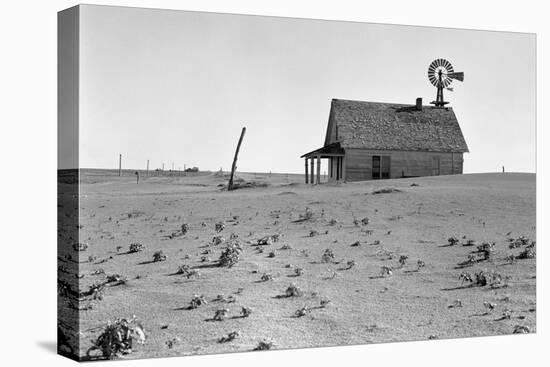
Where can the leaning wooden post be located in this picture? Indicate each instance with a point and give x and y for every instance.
(306, 172)
(234, 166)
(120, 164)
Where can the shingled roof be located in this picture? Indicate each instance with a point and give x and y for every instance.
(388, 126)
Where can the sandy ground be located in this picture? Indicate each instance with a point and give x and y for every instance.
(411, 304)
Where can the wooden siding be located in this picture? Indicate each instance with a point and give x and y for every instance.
(358, 166)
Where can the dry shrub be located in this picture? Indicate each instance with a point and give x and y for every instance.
(298, 272)
(520, 329)
(527, 253)
(266, 277)
(452, 241)
(286, 247)
(385, 190)
(350, 264)
(159, 256)
(116, 279)
(301, 311)
(117, 338)
(264, 345)
(403, 260)
(420, 264)
(455, 304)
(220, 226)
(80, 246)
(490, 278)
(135, 247)
(96, 291)
(230, 255)
(197, 301)
(172, 342)
(324, 303)
(486, 249)
(271, 254)
(328, 256)
(220, 314)
(217, 240)
(293, 291)
(520, 241)
(246, 311)
(465, 277)
(386, 271)
(186, 271)
(229, 337)
(184, 228)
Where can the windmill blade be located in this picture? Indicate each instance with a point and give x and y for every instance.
(458, 76)
(450, 89)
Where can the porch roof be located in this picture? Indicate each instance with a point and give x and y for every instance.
(331, 150)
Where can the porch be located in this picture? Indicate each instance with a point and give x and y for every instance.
(336, 170)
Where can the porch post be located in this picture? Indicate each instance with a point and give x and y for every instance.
(312, 170)
(318, 169)
(306, 171)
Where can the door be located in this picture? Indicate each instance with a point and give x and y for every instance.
(435, 166)
(381, 165)
(375, 167)
(385, 167)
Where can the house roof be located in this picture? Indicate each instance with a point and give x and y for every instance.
(388, 126)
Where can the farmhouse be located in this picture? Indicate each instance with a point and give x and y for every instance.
(369, 140)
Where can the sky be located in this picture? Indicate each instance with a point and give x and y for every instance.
(176, 87)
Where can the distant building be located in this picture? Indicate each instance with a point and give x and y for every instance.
(369, 141)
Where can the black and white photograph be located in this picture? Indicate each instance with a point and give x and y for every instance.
(253, 184)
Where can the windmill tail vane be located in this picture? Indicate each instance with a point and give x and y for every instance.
(441, 74)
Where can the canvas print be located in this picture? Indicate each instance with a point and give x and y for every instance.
(233, 183)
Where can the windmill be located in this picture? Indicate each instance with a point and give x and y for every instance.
(441, 75)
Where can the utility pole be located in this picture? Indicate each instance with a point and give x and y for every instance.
(234, 166)
(120, 164)
(147, 168)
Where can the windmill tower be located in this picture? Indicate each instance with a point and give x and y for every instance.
(441, 74)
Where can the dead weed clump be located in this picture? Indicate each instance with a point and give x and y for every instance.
(197, 301)
(264, 345)
(159, 256)
(328, 256)
(293, 291)
(80, 246)
(230, 255)
(220, 314)
(528, 253)
(118, 337)
(135, 247)
(229, 337)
